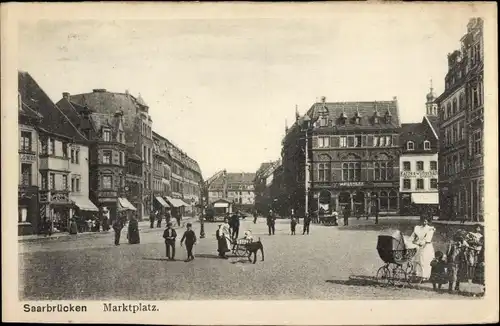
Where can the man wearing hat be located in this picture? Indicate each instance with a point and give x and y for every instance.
(271, 222)
(169, 235)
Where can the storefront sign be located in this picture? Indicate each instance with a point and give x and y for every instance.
(29, 158)
(418, 174)
(60, 198)
(350, 184)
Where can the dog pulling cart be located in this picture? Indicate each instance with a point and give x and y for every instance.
(399, 269)
(239, 247)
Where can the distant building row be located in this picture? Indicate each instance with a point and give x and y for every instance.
(96, 152)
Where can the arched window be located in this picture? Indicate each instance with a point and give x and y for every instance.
(410, 146)
(393, 200)
(455, 106)
(351, 171)
(427, 145)
(384, 200)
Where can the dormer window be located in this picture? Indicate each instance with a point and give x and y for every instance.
(410, 146)
(106, 135)
(427, 145)
(323, 121)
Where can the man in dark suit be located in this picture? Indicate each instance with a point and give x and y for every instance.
(235, 225)
(307, 223)
(169, 235)
(271, 220)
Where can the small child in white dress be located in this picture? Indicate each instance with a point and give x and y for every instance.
(248, 236)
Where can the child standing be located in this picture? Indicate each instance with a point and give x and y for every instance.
(293, 224)
(190, 238)
(439, 274)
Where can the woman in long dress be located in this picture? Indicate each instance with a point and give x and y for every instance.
(222, 241)
(133, 231)
(422, 237)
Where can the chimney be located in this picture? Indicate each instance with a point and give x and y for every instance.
(394, 98)
(65, 95)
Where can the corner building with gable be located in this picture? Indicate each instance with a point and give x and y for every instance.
(353, 153)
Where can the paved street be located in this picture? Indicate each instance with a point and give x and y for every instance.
(317, 266)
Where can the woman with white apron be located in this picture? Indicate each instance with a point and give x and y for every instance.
(422, 237)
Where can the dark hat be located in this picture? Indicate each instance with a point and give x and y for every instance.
(169, 224)
(189, 225)
(439, 254)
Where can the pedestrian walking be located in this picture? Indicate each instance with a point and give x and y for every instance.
(235, 225)
(168, 216)
(105, 223)
(255, 217)
(271, 221)
(73, 228)
(152, 220)
(190, 238)
(377, 211)
(307, 223)
(222, 241)
(457, 261)
(117, 227)
(347, 214)
(178, 218)
(293, 225)
(159, 218)
(170, 235)
(133, 231)
(335, 217)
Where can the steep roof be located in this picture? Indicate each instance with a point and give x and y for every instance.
(235, 178)
(417, 133)
(53, 119)
(25, 110)
(434, 123)
(366, 111)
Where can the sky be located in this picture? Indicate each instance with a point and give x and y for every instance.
(222, 89)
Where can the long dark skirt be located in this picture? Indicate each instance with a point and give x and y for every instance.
(133, 233)
(222, 246)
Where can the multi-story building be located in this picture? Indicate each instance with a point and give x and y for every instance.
(179, 177)
(107, 156)
(29, 120)
(63, 156)
(161, 172)
(352, 151)
(137, 125)
(262, 185)
(461, 130)
(419, 163)
(134, 178)
(239, 188)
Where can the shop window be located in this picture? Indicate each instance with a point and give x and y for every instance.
(406, 184)
(384, 200)
(420, 184)
(434, 183)
(406, 166)
(22, 215)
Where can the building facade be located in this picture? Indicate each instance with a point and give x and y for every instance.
(352, 151)
(461, 129)
(63, 158)
(106, 158)
(238, 187)
(418, 163)
(29, 120)
(137, 128)
(262, 184)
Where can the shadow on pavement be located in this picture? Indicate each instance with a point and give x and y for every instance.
(366, 281)
(207, 256)
(161, 259)
(241, 261)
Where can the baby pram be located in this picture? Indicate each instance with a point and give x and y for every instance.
(399, 269)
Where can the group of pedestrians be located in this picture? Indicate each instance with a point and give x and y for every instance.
(158, 217)
(294, 221)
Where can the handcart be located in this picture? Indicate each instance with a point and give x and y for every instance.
(239, 247)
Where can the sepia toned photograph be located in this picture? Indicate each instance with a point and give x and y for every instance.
(324, 157)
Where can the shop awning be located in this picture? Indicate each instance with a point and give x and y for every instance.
(429, 198)
(184, 203)
(125, 204)
(83, 203)
(175, 202)
(221, 204)
(162, 202)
